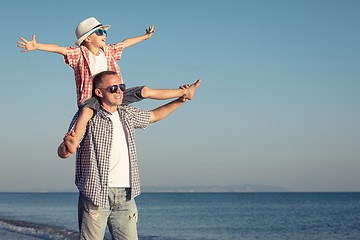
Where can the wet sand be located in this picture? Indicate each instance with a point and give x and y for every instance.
(8, 235)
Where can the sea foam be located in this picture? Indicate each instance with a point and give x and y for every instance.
(37, 230)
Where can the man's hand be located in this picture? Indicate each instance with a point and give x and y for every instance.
(184, 87)
(190, 90)
(163, 111)
(28, 45)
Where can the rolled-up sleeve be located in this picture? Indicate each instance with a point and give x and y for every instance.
(140, 117)
(116, 50)
(72, 56)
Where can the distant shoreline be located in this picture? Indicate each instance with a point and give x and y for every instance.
(245, 188)
(59, 192)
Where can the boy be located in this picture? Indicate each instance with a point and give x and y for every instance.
(93, 56)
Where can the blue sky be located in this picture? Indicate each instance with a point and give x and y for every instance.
(278, 105)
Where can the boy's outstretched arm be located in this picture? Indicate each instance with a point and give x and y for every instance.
(131, 41)
(33, 45)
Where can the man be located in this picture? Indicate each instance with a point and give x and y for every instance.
(106, 164)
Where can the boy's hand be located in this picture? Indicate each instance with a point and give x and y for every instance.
(28, 45)
(150, 31)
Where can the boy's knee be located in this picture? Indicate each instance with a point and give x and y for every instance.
(145, 92)
(87, 112)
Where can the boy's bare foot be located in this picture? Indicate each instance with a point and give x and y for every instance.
(192, 89)
(71, 142)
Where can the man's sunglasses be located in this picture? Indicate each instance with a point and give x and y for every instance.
(99, 32)
(114, 88)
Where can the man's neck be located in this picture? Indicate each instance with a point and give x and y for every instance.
(110, 109)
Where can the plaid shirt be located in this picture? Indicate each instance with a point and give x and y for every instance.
(78, 59)
(92, 158)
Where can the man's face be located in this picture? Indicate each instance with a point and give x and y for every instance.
(109, 100)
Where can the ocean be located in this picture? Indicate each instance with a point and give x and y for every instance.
(194, 216)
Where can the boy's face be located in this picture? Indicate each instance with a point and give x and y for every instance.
(97, 41)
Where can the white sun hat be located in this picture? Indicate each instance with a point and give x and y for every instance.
(86, 27)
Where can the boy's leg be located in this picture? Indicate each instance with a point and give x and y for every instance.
(73, 143)
(162, 94)
(80, 126)
(87, 110)
(92, 219)
(132, 95)
(136, 94)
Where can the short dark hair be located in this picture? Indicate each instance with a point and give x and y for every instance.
(97, 80)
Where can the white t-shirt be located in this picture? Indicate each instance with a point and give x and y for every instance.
(97, 63)
(119, 171)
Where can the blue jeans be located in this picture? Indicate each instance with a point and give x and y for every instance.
(120, 216)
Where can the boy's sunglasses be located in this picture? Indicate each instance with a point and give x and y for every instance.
(99, 32)
(114, 88)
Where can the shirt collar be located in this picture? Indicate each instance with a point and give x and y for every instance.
(104, 113)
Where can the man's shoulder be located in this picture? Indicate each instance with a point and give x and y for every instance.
(129, 108)
(134, 112)
(139, 118)
(126, 109)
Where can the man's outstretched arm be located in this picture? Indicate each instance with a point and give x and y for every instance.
(163, 111)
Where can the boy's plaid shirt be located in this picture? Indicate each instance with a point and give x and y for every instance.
(92, 158)
(78, 59)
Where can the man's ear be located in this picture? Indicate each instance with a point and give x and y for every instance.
(98, 92)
